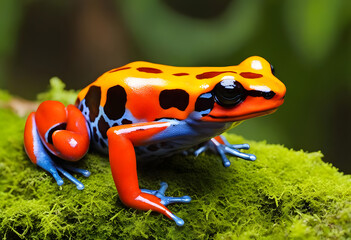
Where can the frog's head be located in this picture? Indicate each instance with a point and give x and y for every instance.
(248, 90)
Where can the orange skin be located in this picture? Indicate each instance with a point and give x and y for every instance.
(145, 88)
(64, 132)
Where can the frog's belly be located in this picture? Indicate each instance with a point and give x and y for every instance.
(177, 138)
(156, 150)
(162, 149)
(159, 149)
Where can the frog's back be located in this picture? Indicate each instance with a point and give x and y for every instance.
(139, 92)
(136, 75)
(147, 91)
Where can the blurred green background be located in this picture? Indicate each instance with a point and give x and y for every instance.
(307, 41)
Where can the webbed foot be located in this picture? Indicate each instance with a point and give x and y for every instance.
(54, 168)
(168, 200)
(220, 145)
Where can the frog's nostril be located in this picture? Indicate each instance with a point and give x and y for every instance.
(266, 95)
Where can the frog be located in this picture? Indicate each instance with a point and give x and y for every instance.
(143, 111)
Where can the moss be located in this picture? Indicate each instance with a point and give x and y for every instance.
(283, 194)
(57, 92)
(4, 96)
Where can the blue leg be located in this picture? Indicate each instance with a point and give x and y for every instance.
(168, 200)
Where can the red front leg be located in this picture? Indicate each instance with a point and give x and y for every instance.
(122, 140)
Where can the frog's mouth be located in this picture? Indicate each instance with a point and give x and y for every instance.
(244, 117)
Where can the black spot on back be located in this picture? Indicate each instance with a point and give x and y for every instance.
(103, 127)
(92, 101)
(177, 98)
(126, 121)
(77, 102)
(116, 99)
(204, 103)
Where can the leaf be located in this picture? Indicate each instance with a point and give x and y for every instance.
(164, 34)
(313, 26)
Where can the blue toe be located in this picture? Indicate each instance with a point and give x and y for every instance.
(178, 220)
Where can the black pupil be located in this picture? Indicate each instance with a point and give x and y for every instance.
(229, 93)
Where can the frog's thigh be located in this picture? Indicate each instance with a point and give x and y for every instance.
(121, 141)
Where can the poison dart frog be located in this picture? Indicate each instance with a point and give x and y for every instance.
(144, 110)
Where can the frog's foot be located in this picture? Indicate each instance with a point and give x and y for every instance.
(55, 168)
(168, 200)
(63, 170)
(220, 145)
(164, 199)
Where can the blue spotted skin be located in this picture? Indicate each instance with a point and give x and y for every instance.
(96, 141)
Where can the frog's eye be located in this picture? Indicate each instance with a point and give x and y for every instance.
(272, 69)
(229, 93)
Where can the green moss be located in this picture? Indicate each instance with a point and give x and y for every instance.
(57, 92)
(4, 96)
(283, 194)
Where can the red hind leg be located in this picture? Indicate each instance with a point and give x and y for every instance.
(63, 132)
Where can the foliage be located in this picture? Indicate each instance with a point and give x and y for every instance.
(283, 194)
(4, 96)
(10, 14)
(57, 92)
(314, 26)
(182, 40)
